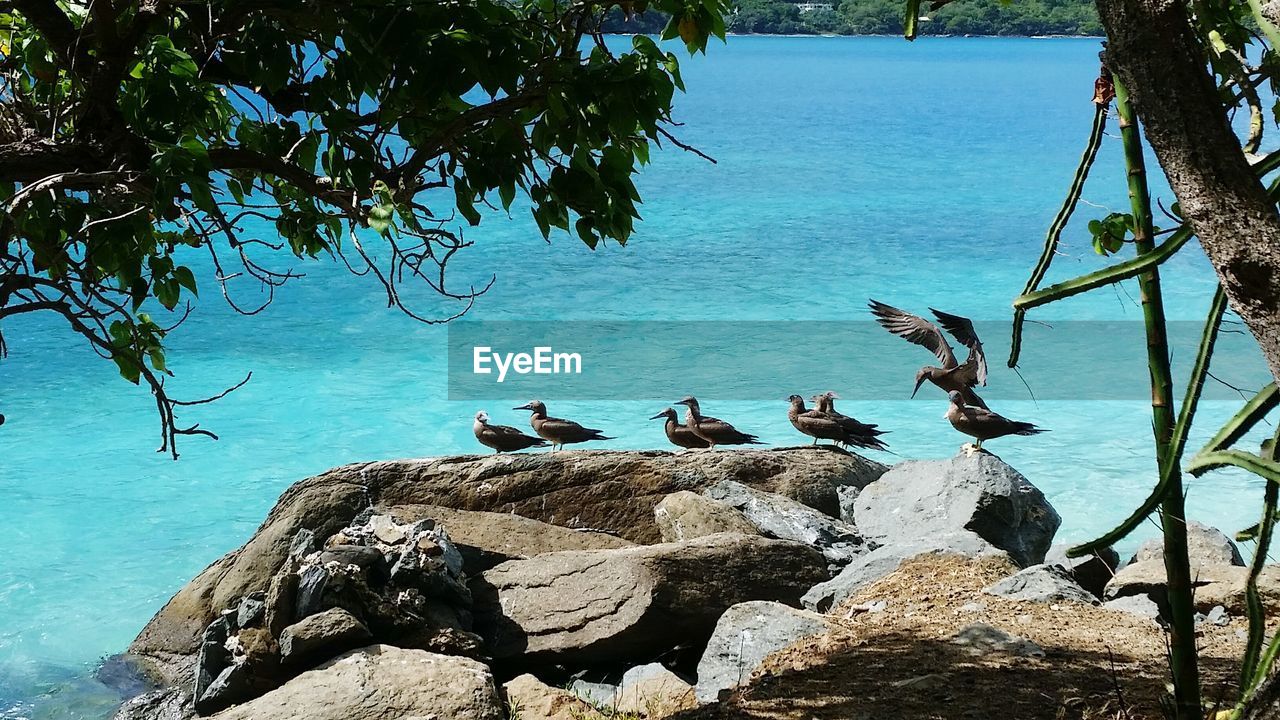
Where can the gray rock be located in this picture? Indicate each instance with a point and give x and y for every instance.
(1205, 546)
(1092, 572)
(1140, 605)
(252, 609)
(164, 704)
(230, 687)
(312, 581)
(782, 517)
(744, 636)
(379, 682)
(1042, 583)
(322, 635)
(597, 693)
(1216, 616)
(1217, 584)
(212, 659)
(611, 606)
(687, 515)
(365, 557)
(302, 544)
(976, 493)
(983, 639)
(880, 562)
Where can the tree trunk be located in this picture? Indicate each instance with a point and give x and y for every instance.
(1152, 48)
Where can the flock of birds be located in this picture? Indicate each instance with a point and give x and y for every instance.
(967, 412)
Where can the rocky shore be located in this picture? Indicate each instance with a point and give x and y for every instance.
(803, 582)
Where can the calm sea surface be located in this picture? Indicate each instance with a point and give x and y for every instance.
(920, 174)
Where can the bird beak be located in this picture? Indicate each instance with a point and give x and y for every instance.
(659, 415)
(917, 388)
(522, 407)
(679, 402)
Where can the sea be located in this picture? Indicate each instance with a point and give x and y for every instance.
(921, 174)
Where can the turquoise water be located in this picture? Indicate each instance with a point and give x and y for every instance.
(920, 174)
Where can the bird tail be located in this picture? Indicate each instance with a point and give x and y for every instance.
(598, 436)
(751, 440)
(1026, 428)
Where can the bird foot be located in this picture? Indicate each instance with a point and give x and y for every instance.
(969, 450)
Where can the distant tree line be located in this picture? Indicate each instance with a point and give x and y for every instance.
(884, 17)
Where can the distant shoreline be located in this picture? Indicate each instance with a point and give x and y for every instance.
(894, 35)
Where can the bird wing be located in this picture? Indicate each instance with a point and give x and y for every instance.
(961, 328)
(508, 431)
(915, 329)
(561, 425)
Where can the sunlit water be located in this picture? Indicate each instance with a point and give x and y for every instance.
(921, 174)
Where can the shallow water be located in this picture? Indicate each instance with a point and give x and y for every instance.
(920, 174)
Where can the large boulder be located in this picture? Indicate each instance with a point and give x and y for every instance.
(611, 491)
(781, 517)
(380, 682)
(1093, 571)
(744, 636)
(976, 493)
(886, 559)
(1214, 585)
(687, 515)
(619, 606)
(1205, 546)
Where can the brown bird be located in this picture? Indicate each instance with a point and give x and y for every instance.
(713, 430)
(558, 430)
(866, 432)
(502, 438)
(953, 375)
(679, 435)
(982, 424)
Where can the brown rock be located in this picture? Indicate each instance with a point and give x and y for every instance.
(1214, 585)
(653, 691)
(530, 699)
(687, 515)
(486, 539)
(322, 635)
(605, 490)
(380, 682)
(602, 606)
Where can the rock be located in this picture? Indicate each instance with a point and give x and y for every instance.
(687, 515)
(1205, 546)
(977, 493)
(232, 685)
(252, 609)
(1042, 583)
(379, 682)
(614, 491)
(528, 698)
(213, 658)
(744, 636)
(983, 639)
(1218, 616)
(1214, 585)
(782, 517)
(599, 694)
(1092, 572)
(486, 539)
(281, 602)
(313, 580)
(1140, 605)
(880, 562)
(653, 691)
(322, 635)
(165, 704)
(599, 606)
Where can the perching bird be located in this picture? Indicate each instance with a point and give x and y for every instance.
(953, 375)
(502, 438)
(866, 432)
(558, 430)
(982, 424)
(678, 434)
(713, 430)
